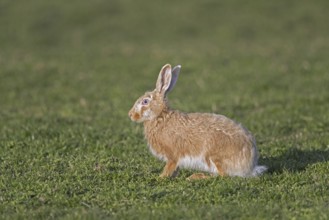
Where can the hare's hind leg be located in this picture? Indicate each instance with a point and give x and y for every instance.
(219, 168)
(198, 176)
(170, 169)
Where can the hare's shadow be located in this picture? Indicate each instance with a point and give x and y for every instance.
(294, 160)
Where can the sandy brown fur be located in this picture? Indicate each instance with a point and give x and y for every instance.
(204, 141)
(175, 135)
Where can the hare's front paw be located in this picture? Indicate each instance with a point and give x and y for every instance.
(170, 170)
(164, 175)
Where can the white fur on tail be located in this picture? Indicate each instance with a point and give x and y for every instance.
(259, 170)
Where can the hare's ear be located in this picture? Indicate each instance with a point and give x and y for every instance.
(164, 79)
(174, 76)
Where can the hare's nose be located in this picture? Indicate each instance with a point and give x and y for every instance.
(130, 113)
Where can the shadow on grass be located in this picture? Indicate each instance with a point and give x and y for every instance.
(294, 160)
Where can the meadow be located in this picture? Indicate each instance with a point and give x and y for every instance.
(71, 70)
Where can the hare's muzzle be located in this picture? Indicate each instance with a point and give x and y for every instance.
(134, 116)
(130, 114)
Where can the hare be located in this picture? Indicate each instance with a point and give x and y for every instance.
(202, 141)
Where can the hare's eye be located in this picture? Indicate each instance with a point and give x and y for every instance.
(145, 101)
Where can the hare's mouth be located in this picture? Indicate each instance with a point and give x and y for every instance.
(135, 116)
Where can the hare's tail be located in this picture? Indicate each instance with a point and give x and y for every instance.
(259, 170)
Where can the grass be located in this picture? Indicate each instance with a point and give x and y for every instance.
(70, 71)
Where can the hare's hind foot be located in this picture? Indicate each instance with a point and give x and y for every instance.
(198, 176)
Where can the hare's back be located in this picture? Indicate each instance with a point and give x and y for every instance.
(215, 122)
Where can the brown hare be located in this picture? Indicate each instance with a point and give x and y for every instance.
(201, 141)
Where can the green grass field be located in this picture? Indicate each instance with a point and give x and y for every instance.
(71, 70)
